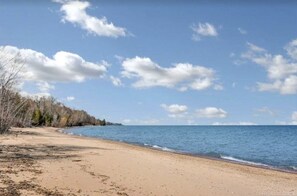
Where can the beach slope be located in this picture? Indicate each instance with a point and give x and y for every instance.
(42, 161)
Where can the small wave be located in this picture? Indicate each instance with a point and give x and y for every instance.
(242, 161)
(163, 148)
(294, 168)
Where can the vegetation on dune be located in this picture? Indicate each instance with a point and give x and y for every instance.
(16, 110)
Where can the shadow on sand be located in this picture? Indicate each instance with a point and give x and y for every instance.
(15, 159)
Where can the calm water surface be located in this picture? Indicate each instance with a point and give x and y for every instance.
(271, 146)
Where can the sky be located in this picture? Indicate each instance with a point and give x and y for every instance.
(149, 62)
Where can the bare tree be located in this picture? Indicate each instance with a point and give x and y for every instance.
(11, 103)
(16, 110)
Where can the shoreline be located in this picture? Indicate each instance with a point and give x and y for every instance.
(268, 167)
(46, 161)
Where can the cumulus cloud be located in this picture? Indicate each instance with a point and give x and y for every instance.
(285, 86)
(281, 71)
(76, 12)
(182, 76)
(175, 110)
(116, 81)
(70, 98)
(291, 49)
(62, 67)
(203, 30)
(46, 71)
(211, 112)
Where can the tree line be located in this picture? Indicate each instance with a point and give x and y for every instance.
(20, 111)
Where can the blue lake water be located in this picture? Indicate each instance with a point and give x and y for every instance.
(271, 146)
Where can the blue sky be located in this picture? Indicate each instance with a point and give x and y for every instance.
(148, 63)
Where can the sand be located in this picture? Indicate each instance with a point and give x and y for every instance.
(42, 161)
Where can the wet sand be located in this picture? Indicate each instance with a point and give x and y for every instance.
(42, 161)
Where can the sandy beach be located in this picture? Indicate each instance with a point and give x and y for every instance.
(42, 161)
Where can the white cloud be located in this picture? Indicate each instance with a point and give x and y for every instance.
(203, 30)
(242, 31)
(182, 76)
(45, 86)
(70, 98)
(254, 48)
(44, 71)
(233, 123)
(200, 84)
(75, 12)
(175, 110)
(291, 49)
(281, 71)
(211, 112)
(116, 81)
(35, 95)
(63, 67)
(286, 86)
